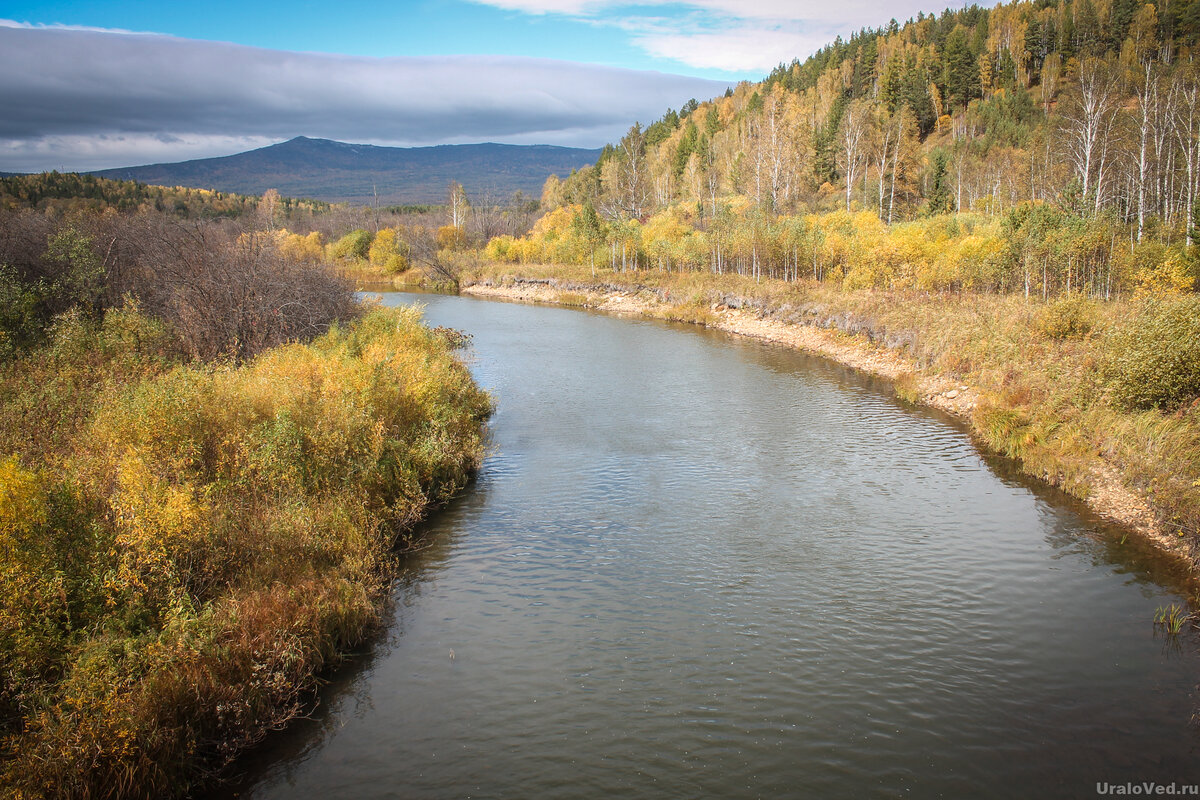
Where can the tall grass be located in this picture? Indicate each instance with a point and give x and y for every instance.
(199, 540)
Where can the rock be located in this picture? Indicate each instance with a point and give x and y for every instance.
(953, 393)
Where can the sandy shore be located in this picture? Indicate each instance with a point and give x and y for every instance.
(1108, 494)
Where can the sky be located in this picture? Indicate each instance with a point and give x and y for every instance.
(87, 84)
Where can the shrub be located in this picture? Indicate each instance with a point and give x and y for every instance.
(295, 247)
(451, 237)
(1153, 360)
(212, 537)
(389, 251)
(355, 244)
(1068, 318)
(225, 290)
(19, 322)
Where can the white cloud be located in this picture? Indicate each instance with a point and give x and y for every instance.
(88, 99)
(730, 35)
(574, 7)
(855, 13)
(851, 12)
(58, 26)
(734, 49)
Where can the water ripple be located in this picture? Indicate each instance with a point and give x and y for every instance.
(694, 566)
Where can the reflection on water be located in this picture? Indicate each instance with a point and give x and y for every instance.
(699, 566)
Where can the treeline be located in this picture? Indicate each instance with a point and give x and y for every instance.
(1089, 107)
(1035, 249)
(430, 242)
(69, 192)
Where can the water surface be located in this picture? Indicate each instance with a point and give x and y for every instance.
(701, 566)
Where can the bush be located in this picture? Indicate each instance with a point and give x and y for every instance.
(451, 237)
(225, 290)
(1153, 361)
(239, 298)
(1068, 318)
(211, 537)
(355, 244)
(389, 252)
(19, 322)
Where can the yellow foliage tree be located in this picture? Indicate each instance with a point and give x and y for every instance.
(388, 251)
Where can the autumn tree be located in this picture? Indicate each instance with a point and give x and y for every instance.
(1088, 120)
(458, 204)
(853, 138)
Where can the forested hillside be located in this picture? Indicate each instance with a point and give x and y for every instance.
(66, 192)
(1064, 133)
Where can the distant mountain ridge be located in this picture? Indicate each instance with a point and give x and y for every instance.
(323, 169)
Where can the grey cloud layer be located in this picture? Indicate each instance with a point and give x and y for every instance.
(60, 85)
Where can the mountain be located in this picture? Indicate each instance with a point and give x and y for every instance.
(338, 172)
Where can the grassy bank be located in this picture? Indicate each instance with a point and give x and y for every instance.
(187, 543)
(1097, 398)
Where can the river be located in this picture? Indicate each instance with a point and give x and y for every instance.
(698, 566)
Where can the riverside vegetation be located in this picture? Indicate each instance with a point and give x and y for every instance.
(208, 453)
(1083, 348)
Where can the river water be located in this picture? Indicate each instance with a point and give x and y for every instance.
(698, 566)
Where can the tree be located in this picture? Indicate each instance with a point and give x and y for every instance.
(1138, 54)
(459, 205)
(939, 183)
(852, 139)
(633, 185)
(1088, 120)
(268, 205)
(588, 227)
(961, 74)
(906, 151)
(552, 193)
(1186, 125)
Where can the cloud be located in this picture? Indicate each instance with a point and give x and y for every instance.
(857, 13)
(734, 48)
(59, 26)
(87, 99)
(729, 35)
(573, 7)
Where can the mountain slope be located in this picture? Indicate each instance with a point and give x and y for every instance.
(336, 171)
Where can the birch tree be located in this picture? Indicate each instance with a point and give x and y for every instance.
(853, 138)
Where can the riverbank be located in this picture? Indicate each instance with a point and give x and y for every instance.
(188, 544)
(986, 360)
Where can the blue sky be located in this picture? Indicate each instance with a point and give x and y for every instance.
(90, 84)
(371, 28)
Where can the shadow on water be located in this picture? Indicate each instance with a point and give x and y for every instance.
(345, 688)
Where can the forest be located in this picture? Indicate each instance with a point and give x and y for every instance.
(1044, 148)
(61, 193)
